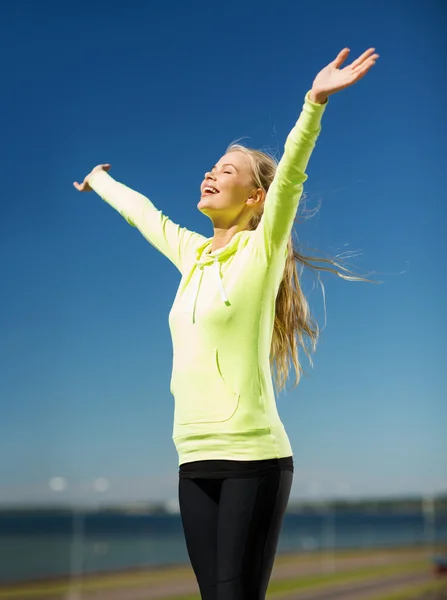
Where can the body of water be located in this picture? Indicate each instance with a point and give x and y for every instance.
(34, 546)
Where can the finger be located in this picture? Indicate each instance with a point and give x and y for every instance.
(358, 61)
(361, 72)
(359, 76)
(341, 57)
(366, 65)
(353, 66)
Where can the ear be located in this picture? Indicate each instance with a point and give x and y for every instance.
(257, 197)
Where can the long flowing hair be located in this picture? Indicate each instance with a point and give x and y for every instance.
(294, 326)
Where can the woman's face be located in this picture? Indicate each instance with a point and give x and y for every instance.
(228, 188)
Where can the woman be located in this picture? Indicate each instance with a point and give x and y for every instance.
(238, 310)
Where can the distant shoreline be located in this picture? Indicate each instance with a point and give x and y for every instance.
(402, 505)
(177, 568)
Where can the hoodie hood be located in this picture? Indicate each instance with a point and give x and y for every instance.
(204, 256)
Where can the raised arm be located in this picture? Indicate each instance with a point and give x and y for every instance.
(284, 194)
(175, 242)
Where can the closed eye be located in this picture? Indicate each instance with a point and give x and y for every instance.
(226, 165)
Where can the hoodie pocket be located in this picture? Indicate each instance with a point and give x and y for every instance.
(200, 390)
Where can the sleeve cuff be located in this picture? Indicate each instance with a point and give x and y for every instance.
(315, 104)
(99, 181)
(311, 115)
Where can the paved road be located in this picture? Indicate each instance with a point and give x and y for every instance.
(366, 590)
(285, 570)
(157, 590)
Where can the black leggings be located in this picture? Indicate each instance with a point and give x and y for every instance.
(231, 529)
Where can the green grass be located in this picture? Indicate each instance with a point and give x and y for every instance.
(350, 553)
(101, 582)
(277, 586)
(184, 597)
(415, 591)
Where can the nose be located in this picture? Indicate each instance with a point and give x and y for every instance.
(209, 175)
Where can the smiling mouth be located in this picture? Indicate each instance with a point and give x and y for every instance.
(210, 191)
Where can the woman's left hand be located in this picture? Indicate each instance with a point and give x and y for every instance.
(332, 79)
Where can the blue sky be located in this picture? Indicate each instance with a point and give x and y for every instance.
(159, 89)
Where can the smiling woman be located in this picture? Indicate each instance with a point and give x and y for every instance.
(225, 189)
(238, 312)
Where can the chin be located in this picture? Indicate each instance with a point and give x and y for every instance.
(204, 206)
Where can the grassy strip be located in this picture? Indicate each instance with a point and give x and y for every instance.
(184, 597)
(167, 574)
(344, 554)
(415, 591)
(98, 583)
(137, 580)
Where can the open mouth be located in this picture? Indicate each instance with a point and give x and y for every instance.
(209, 191)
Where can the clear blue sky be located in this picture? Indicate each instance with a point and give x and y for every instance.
(159, 89)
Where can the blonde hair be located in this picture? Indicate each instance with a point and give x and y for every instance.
(294, 326)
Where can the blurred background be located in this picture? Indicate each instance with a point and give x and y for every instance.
(88, 469)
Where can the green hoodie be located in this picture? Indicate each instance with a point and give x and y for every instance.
(222, 318)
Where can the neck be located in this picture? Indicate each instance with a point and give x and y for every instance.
(223, 236)
(224, 232)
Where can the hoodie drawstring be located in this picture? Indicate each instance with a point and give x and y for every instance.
(196, 295)
(219, 278)
(191, 308)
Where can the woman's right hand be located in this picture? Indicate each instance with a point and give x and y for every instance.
(84, 186)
